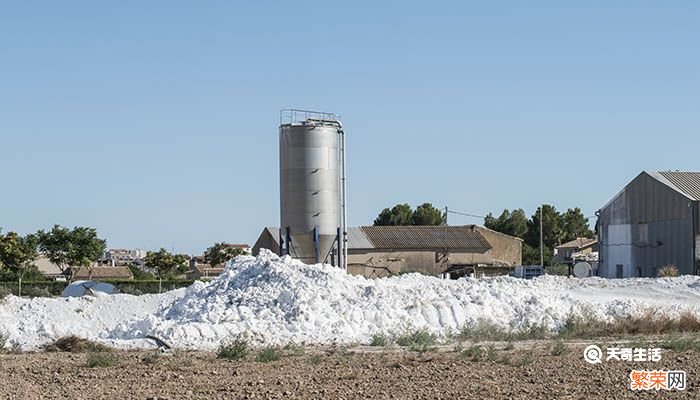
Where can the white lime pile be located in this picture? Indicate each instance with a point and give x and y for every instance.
(279, 300)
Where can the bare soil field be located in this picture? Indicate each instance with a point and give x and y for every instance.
(535, 370)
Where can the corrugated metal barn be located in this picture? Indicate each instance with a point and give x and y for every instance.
(376, 251)
(654, 221)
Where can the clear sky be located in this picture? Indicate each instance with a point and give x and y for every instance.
(156, 121)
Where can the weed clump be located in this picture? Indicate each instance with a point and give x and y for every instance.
(419, 340)
(100, 359)
(233, 349)
(75, 344)
(268, 354)
(379, 340)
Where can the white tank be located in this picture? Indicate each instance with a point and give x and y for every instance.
(309, 186)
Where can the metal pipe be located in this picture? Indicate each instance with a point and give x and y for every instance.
(344, 210)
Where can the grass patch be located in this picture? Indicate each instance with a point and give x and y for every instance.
(559, 349)
(152, 358)
(527, 359)
(294, 349)
(473, 353)
(315, 359)
(100, 359)
(681, 345)
(268, 354)
(379, 340)
(75, 344)
(491, 353)
(485, 330)
(3, 341)
(233, 349)
(419, 340)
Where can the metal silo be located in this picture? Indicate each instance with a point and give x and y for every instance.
(312, 187)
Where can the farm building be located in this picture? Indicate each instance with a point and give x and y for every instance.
(376, 251)
(652, 222)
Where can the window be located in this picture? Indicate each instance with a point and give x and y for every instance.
(620, 270)
(643, 232)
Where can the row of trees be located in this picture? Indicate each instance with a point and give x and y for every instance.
(69, 249)
(80, 247)
(557, 228)
(403, 214)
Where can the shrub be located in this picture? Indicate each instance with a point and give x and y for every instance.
(474, 353)
(315, 359)
(559, 348)
(233, 349)
(100, 359)
(557, 269)
(681, 345)
(267, 354)
(75, 344)
(420, 340)
(151, 358)
(527, 359)
(379, 340)
(668, 271)
(34, 291)
(3, 341)
(4, 292)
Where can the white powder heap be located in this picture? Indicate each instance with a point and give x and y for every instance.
(279, 300)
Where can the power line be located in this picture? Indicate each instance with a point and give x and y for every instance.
(465, 214)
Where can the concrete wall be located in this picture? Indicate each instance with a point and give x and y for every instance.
(266, 241)
(506, 249)
(372, 263)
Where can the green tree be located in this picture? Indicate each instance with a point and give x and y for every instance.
(575, 225)
(17, 255)
(400, 214)
(426, 214)
(551, 228)
(164, 263)
(511, 223)
(71, 249)
(220, 253)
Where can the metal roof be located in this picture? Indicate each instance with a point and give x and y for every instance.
(578, 243)
(426, 237)
(687, 183)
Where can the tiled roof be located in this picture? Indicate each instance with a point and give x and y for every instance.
(104, 273)
(687, 183)
(577, 243)
(426, 237)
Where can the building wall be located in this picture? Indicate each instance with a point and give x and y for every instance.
(648, 225)
(266, 241)
(506, 249)
(373, 263)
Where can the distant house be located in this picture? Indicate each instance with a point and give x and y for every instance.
(245, 248)
(52, 271)
(103, 273)
(577, 249)
(204, 272)
(652, 222)
(124, 257)
(453, 251)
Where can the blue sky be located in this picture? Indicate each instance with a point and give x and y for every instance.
(156, 122)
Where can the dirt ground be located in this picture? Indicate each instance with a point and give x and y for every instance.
(529, 371)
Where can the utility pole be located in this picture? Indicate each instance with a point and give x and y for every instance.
(541, 237)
